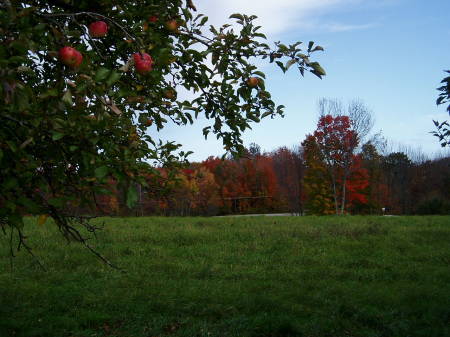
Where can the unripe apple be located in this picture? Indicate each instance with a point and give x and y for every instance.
(253, 82)
(172, 25)
(143, 62)
(98, 29)
(70, 57)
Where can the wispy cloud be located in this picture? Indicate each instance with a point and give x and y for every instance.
(339, 27)
(277, 16)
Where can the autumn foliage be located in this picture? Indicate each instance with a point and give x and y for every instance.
(301, 180)
(329, 173)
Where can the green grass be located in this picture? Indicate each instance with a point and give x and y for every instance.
(246, 276)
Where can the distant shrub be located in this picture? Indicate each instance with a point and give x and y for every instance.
(434, 206)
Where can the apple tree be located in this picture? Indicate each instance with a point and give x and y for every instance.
(87, 85)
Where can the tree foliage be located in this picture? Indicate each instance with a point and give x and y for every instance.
(317, 182)
(443, 128)
(334, 172)
(68, 128)
(337, 141)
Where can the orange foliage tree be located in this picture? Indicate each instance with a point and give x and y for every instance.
(333, 166)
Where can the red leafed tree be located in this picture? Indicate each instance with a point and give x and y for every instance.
(228, 178)
(289, 169)
(377, 190)
(261, 181)
(357, 185)
(245, 184)
(337, 142)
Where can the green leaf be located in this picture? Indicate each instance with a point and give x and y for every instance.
(113, 78)
(56, 202)
(67, 97)
(254, 118)
(101, 74)
(101, 172)
(265, 114)
(22, 100)
(132, 196)
(236, 16)
(12, 145)
(283, 48)
(290, 63)
(10, 183)
(317, 48)
(318, 70)
(281, 65)
(31, 206)
(57, 135)
(260, 74)
(50, 93)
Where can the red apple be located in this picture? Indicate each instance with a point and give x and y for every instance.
(253, 82)
(98, 29)
(70, 57)
(152, 18)
(143, 62)
(172, 25)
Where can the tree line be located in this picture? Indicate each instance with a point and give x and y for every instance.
(337, 169)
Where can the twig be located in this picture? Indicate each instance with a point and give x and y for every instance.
(29, 250)
(101, 257)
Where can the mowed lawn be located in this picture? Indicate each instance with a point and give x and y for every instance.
(244, 276)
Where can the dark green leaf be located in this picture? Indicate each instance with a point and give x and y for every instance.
(56, 202)
(101, 74)
(101, 172)
(113, 78)
(316, 48)
(57, 135)
(317, 68)
(236, 16)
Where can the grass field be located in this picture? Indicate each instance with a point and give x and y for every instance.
(246, 276)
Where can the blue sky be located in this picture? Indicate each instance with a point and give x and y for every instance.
(389, 53)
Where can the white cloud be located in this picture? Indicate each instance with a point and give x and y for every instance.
(277, 16)
(339, 27)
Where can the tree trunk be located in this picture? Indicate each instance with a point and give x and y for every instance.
(335, 197)
(344, 183)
